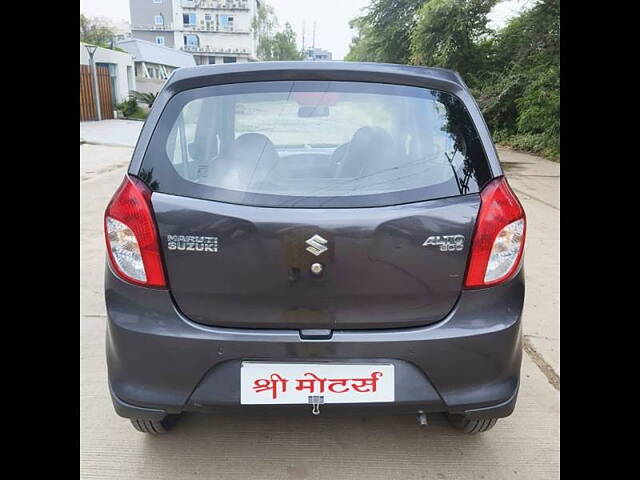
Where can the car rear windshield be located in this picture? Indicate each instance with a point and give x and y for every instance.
(315, 144)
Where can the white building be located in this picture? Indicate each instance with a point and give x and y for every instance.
(314, 54)
(214, 31)
(154, 63)
(121, 70)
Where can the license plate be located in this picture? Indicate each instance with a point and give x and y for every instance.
(286, 383)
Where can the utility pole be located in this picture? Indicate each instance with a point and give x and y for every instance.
(94, 76)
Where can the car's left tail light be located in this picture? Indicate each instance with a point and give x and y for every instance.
(132, 239)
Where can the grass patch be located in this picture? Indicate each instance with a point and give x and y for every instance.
(536, 143)
(138, 114)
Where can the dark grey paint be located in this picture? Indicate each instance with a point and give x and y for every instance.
(160, 360)
(376, 272)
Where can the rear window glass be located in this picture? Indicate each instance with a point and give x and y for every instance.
(315, 144)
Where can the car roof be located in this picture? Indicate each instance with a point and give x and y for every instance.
(327, 66)
(203, 75)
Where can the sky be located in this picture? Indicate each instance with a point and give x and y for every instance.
(331, 17)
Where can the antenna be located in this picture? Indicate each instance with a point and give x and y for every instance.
(303, 52)
(313, 45)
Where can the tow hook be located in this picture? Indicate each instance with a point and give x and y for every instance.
(422, 418)
(316, 401)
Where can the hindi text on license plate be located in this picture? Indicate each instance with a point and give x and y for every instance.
(263, 383)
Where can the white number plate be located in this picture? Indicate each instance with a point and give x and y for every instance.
(263, 383)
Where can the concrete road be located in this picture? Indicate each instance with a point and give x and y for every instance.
(111, 132)
(537, 184)
(525, 445)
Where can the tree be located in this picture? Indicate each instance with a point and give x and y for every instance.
(520, 98)
(273, 45)
(383, 31)
(283, 45)
(263, 25)
(96, 31)
(362, 48)
(514, 73)
(449, 34)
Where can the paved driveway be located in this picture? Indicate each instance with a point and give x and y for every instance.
(525, 445)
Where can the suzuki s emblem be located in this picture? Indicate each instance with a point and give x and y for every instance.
(316, 245)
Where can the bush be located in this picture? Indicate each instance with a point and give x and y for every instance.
(139, 114)
(128, 107)
(539, 106)
(539, 143)
(131, 109)
(145, 98)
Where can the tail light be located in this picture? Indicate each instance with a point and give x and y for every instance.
(498, 241)
(132, 239)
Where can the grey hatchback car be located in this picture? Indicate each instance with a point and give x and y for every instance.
(314, 237)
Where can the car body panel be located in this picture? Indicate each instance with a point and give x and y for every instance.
(158, 358)
(376, 271)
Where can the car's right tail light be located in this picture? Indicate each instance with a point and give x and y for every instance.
(498, 240)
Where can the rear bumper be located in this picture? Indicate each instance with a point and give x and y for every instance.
(159, 362)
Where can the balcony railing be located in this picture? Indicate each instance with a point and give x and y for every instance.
(190, 28)
(213, 29)
(217, 4)
(166, 26)
(207, 49)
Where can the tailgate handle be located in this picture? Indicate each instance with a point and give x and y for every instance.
(316, 334)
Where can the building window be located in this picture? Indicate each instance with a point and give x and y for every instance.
(191, 41)
(130, 78)
(159, 20)
(226, 22)
(160, 40)
(229, 59)
(207, 17)
(189, 19)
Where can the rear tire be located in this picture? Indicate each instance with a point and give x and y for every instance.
(471, 425)
(154, 427)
